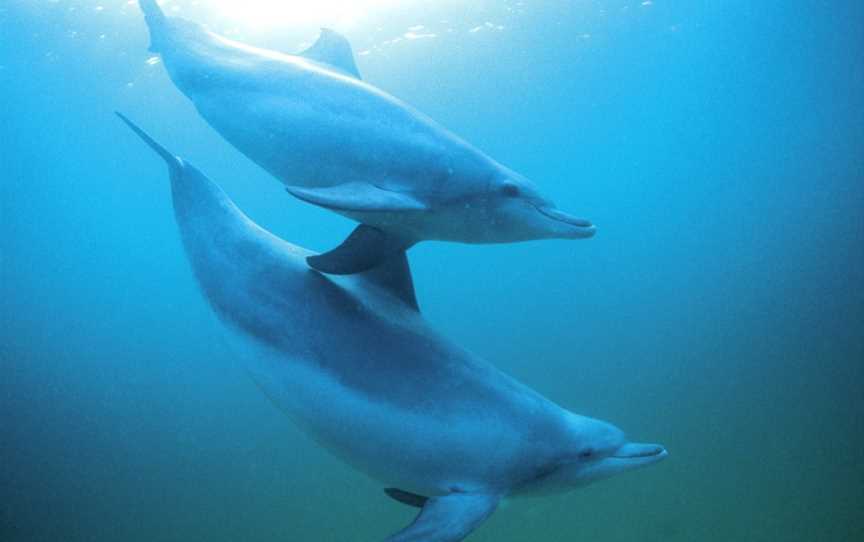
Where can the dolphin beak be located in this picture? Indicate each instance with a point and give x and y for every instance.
(572, 227)
(637, 454)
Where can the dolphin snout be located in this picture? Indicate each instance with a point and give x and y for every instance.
(571, 226)
(634, 454)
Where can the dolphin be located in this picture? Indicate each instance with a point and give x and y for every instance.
(345, 145)
(351, 360)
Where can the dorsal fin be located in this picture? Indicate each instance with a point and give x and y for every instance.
(334, 50)
(394, 275)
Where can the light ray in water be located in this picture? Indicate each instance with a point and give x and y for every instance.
(299, 12)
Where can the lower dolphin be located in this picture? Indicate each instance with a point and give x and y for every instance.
(351, 361)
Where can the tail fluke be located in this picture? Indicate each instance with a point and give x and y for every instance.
(157, 22)
(174, 163)
(152, 11)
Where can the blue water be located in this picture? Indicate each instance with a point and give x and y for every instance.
(718, 146)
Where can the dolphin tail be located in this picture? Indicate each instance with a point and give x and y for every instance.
(157, 22)
(152, 11)
(174, 162)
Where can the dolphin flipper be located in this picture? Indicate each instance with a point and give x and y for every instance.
(365, 248)
(405, 497)
(357, 197)
(448, 519)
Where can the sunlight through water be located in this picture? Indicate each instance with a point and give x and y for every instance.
(268, 13)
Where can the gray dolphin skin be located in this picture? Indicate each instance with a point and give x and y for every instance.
(340, 143)
(353, 363)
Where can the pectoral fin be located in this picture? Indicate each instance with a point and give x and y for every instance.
(365, 248)
(405, 497)
(448, 519)
(358, 197)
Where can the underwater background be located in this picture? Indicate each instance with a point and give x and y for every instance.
(718, 146)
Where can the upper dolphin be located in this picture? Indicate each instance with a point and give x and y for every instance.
(353, 363)
(343, 144)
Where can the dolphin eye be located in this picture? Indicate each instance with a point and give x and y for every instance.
(587, 453)
(510, 190)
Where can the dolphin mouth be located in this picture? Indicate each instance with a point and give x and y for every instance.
(640, 451)
(576, 227)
